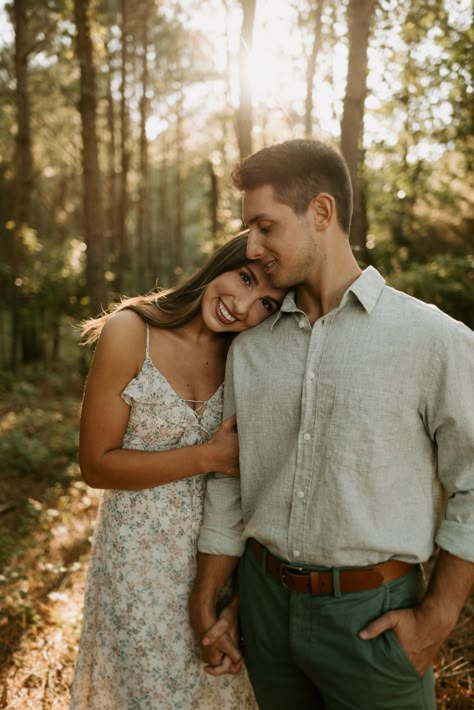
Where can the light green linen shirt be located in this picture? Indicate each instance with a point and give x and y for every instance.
(351, 432)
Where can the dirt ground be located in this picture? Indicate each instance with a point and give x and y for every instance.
(38, 640)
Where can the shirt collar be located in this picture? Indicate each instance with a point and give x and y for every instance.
(288, 306)
(366, 288)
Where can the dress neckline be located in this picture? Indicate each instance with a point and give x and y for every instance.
(203, 402)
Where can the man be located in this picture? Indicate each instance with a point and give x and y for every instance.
(355, 415)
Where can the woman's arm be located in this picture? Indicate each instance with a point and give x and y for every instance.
(104, 464)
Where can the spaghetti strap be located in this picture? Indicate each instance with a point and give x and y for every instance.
(147, 351)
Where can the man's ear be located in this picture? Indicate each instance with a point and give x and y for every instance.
(324, 209)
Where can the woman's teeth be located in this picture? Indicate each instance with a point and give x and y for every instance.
(225, 313)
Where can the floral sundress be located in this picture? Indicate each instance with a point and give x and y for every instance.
(137, 650)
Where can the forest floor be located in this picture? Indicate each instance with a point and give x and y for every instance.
(46, 523)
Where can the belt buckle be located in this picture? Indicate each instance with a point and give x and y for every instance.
(293, 569)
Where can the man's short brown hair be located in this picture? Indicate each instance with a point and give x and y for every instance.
(298, 170)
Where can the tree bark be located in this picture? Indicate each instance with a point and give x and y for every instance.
(122, 237)
(311, 70)
(143, 225)
(92, 183)
(213, 202)
(360, 15)
(244, 114)
(24, 169)
(178, 252)
(163, 231)
(111, 202)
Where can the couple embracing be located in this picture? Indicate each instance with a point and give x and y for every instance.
(354, 416)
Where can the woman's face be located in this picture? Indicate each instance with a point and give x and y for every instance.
(237, 300)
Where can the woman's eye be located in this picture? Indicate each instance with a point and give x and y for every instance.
(268, 305)
(245, 278)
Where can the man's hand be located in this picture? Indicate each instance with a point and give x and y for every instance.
(221, 642)
(420, 635)
(221, 651)
(423, 630)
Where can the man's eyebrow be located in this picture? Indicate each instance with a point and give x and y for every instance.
(261, 215)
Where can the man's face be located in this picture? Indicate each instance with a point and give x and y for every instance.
(283, 241)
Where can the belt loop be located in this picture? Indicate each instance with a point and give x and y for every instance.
(336, 588)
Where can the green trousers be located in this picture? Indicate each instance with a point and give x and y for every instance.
(302, 651)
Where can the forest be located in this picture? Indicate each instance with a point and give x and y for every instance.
(120, 123)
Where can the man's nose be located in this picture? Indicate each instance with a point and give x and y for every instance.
(254, 246)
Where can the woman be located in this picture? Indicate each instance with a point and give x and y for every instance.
(150, 432)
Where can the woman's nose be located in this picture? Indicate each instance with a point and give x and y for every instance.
(254, 247)
(242, 304)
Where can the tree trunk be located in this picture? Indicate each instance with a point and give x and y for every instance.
(111, 209)
(213, 201)
(360, 14)
(244, 114)
(163, 229)
(122, 239)
(311, 70)
(24, 170)
(178, 188)
(143, 225)
(92, 184)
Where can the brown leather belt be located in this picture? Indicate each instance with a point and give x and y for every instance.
(298, 579)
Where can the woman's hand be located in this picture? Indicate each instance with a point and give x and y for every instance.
(223, 448)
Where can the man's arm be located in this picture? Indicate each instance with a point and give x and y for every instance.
(447, 415)
(220, 545)
(221, 649)
(423, 630)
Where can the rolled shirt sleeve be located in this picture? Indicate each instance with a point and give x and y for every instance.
(450, 422)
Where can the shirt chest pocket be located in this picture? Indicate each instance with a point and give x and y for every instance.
(365, 428)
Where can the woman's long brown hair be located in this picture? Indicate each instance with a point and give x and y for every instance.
(176, 306)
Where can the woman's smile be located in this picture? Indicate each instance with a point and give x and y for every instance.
(224, 313)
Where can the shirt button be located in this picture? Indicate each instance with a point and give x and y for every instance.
(301, 324)
(311, 375)
(297, 553)
(300, 494)
(306, 436)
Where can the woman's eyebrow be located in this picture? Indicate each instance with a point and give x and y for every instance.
(253, 275)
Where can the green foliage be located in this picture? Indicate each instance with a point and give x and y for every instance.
(446, 280)
(419, 149)
(39, 431)
(421, 233)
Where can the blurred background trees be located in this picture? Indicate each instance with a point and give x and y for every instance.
(122, 119)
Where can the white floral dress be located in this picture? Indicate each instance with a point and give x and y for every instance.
(137, 650)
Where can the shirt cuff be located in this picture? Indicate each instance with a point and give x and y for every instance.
(216, 541)
(456, 532)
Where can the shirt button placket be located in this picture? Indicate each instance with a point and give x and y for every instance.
(304, 469)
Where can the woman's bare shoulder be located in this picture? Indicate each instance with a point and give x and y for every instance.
(123, 337)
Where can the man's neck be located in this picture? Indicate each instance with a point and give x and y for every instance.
(325, 293)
